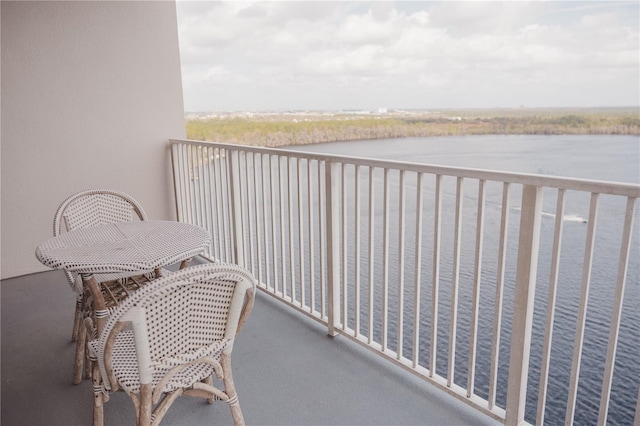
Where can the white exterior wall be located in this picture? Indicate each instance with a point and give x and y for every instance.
(91, 92)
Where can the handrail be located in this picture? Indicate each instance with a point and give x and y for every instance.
(586, 185)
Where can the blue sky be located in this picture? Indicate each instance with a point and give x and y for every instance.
(331, 55)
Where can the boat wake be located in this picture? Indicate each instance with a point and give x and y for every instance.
(565, 218)
(573, 218)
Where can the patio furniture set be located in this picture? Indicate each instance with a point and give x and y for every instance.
(138, 327)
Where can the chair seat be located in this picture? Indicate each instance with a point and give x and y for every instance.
(125, 364)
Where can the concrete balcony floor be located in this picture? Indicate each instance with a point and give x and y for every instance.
(287, 372)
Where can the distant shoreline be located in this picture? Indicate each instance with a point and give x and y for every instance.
(275, 129)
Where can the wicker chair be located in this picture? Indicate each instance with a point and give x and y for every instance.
(170, 337)
(90, 208)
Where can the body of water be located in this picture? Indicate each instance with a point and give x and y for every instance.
(609, 158)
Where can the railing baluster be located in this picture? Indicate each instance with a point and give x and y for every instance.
(551, 307)
(201, 185)
(235, 198)
(210, 197)
(282, 232)
(614, 330)
(401, 217)
(475, 302)
(192, 187)
(528, 244)
(435, 285)
(222, 236)
(192, 174)
(222, 207)
(455, 281)
(356, 330)
(258, 208)
(249, 198)
(197, 183)
(418, 272)
(208, 191)
(301, 232)
(274, 231)
(582, 309)
(312, 258)
(292, 258)
(244, 200)
(227, 194)
(321, 238)
(177, 164)
(344, 229)
(265, 209)
(246, 208)
(333, 244)
(206, 188)
(371, 253)
(497, 312)
(215, 224)
(385, 260)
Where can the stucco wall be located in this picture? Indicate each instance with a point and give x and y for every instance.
(91, 92)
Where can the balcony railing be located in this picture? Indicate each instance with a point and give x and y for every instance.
(460, 276)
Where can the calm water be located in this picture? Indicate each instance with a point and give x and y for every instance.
(611, 158)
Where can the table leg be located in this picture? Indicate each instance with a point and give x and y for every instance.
(100, 313)
(185, 263)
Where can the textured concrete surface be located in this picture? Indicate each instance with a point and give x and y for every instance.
(287, 372)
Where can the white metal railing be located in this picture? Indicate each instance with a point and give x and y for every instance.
(422, 264)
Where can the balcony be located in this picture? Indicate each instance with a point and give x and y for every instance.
(461, 336)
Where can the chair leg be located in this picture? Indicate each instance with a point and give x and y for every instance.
(79, 359)
(209, 381)
(236, 413)
(98, 396)
(88, 364)
(77, 319)
(230, 390)
(144, 416)
(185, 263)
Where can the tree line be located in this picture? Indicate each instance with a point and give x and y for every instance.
(286, 130)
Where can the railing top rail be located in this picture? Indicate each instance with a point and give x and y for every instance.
(586, 185)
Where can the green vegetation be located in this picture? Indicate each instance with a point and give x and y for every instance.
(304, 128)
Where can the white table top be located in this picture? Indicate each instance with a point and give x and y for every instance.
(123, 247)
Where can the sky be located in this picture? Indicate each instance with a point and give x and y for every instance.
(363, 55)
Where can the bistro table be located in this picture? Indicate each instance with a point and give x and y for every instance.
(126, 247)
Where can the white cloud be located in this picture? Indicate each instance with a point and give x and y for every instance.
(296, 55)
(369, 29)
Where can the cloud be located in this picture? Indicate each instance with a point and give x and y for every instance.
(297, 55)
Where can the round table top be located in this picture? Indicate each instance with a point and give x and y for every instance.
(123, 247)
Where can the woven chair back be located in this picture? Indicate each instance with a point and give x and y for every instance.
(96, 207)
(188, 316)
